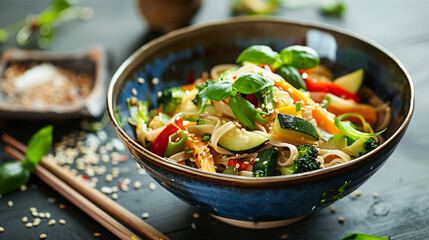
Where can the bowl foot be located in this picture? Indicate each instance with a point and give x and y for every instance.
(259, 225)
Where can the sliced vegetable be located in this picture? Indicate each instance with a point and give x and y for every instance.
(352, 81)
(350, 131)
(319, 114)
(289, 110)
(159, 145)
(339, 106)
(286, 170)
(313, 85)
(293, 129)
(238, 164)
(137, 110)
(203, 158)
(301, 57)
(267, 163)
(170, 99)
(335, 142)
(292, 76)
(232, 170)
(176, 143)
(243, 141)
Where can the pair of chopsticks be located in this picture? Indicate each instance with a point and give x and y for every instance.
(101, 208)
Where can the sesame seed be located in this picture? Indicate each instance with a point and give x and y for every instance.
(155, 81)
(41, 215)
(152, 186)
(97, 234)
(375, 194)
(140, 80)
(333, 210)
(33, 209)
(43, 236)
(106, 190)
(159, 94)
(62, 206)
(62, 221)
(10, 203)
(23, 188)
(193, 226)
(145, 215)
(134, 91)
(1, 229)
(52, 222)
(114, 196)
(48, 215)
(357, 193)
(29, 225)
(340, 219)
(284, 236)
(265, 162)
(109, 178)
(137, 184)
(196, 215)
(36, 223)
(24, 219)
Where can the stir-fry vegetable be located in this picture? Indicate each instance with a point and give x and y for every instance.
(159, 145)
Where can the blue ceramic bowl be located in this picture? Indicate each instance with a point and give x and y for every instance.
(177, 57)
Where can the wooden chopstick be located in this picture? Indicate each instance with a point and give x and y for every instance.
(122, 215)
(77, 199)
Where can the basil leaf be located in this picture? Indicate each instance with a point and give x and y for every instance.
(218, 91)
(301, 57)
(12, 176)
(243, 110)
(251, 82)
(39, 145)
(259, 54)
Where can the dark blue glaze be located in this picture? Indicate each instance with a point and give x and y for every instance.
(174, 60)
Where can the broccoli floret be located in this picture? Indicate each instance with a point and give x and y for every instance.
(368, 146)
(306, 160)
(361, 147)
(170, 99)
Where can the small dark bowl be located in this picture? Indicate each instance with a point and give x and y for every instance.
(176, 57)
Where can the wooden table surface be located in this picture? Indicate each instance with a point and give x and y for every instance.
(401, 209)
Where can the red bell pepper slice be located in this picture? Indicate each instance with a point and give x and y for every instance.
(160, 143)
(233, 163)
(314, 85)
(252, 99)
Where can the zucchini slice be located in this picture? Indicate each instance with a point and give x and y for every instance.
(243, 141)
(294, 130)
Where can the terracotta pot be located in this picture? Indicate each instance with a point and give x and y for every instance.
(167, 15)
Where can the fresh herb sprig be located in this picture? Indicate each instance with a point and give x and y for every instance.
(246, 84)
(15, 174)
(43, 24)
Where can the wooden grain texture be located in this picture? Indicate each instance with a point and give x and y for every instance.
(401, 210)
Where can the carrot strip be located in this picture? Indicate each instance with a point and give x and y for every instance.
(318, 113)
(203, 158)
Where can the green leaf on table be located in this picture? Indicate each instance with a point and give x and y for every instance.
(259, 54)
(3, 35)
(251, 82)
(218, 91)
(39, 145)
(12, 176)
(243, 110)
(361, 236)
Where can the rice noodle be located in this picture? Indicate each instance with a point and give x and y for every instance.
(328, 152)
(245, 173)
(292, 149)
(180, 156)
(223, 108)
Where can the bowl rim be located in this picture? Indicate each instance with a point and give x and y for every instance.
(242, 180)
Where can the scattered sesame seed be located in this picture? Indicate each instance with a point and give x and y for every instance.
(41, 215)
(33, 209)
(35, 214)
(134, 91)
(265, 162)
(114, 196)
(97, 234)
(333, 210)
(152, 186)
(357, 193)
(52, 222)
(24, 219)
(10, 203)
(193, 226)
(140, 80)
(62, 206)
(375, 194)
(43, 236)
(196, 215)
(23, 188)
(36, 223)
(137, 184)
(62, 221)
(109, 178)
(340, 219)
(48, 215)
(1, 229)
(159, 94)
(284, 236)
(106, 190)
(29, 225)
(145, 215)
(155, 81)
